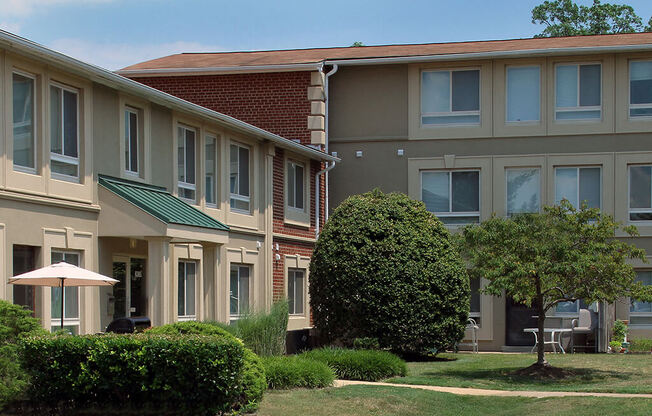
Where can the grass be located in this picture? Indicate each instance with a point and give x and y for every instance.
(385, 401)
(614, 373)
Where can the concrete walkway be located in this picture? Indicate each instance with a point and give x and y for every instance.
(487, 392)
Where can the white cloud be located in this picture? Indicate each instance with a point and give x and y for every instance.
(22, 8)
(118, 55)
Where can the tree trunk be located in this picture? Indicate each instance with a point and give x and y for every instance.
(541, 320)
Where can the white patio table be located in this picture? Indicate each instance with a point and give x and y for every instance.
(552, 332)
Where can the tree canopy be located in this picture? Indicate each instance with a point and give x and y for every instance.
(566, 18)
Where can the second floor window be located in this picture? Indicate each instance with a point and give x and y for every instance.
(454, 196)
(450, 97)
(640, 89)
(24, 123)
(640, 193)
(211, 171)
(186, 289)
(579, 185)
(578, 92)
(131, 141)
(64, 131)
(295, 183)
(186, 163)
(523, 190)
(523, 94)
(239, 178)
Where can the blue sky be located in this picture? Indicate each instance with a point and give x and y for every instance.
(116, 33)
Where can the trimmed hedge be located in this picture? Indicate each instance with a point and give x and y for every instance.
(194, 375)
(290, 372)
(366, 365)
(191, 328)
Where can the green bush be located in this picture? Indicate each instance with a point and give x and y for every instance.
(640, 345)
(615, 346)
(155, 374)
(16, 321)
(191, 328)
(366, 344)
(13, 380)
(264, 332)
(619, 331)
(254, 383)
(384, 267)
(288, 372)
(367, 365)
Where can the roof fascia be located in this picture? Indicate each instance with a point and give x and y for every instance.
(215, 70)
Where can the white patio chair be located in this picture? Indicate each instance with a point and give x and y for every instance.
(585, 325)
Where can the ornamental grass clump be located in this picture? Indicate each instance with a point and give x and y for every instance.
(264, 333)
(366, 365)
(289, 372)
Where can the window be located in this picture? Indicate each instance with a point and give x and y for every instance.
(239, 179)
(523, 94)
(71, 297)
(239, 296)
(186, 163)
(640, 193)
(640, 313)
(131, 141)
(450, 97)
(295, 185)
(475, 300)
(523, 190)
(24, 129)
(578, 185)
(186, 292)
(64, 132)
(578, 92)
(453, 196)
(296, 290)
(640, 89)
(211, 171)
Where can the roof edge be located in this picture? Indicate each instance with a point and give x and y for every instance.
(316, 66)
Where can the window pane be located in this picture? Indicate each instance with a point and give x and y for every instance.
(566, 185)
(186, 193)
(523, 190)
(434, 191)
(23, 109)
(239, 204)
(590, 83)
(466, 90)
(566, 85)
(457, 119)
(181, 285)
(55, 121)
(577, 115)
(299, 187)
(645, 277)
(469, 219)
(244, 171)
(475, 295)
(127, 138)
(640, 82)
(181, 155)
(466, 191)
(233, 297)
(291, 184)
(133, 141)
(244, 291)
(233, 161)
(435, 92)
(71, 303)
(640, 187)
(568, 307)
(298, 290)
(291, 280)
(190, 156)
(590, 187)
(71, 294)
(190, 288)
(211, 170)
(70, 123)
(523, 93)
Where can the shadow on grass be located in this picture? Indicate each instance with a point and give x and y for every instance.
(426, 358)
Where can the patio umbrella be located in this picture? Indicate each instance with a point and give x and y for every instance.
(61, 275)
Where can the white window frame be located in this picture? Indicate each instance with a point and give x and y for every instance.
(639, 314)
(578, 108)
(507, 214)
(527, 122)
(187, 317)
(239, 266)
(128, 111)
(216, 173)
(303, 289)
(183, 184)
(577, 168)
(20, 168)
(303, 185)
(629, 93)
(237, 196)
(63, 158)
(76, 322)
(450, 213)
(631, 210)
(450, 99)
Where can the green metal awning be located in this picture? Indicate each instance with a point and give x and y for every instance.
(160, 203)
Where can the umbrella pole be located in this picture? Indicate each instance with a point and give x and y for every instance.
(62, 294)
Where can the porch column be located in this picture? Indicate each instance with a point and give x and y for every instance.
(158, 287)
(210, 282)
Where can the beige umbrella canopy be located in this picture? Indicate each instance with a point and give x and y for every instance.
(61, 275)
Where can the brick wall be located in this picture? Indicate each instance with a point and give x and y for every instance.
(277, 101)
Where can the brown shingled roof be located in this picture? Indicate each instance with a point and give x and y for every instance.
(307, 56)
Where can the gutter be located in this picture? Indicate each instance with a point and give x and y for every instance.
(220, 70)
(326, 129)
(110, 79)
(321, 172)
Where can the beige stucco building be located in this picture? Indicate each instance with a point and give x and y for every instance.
(173, 199)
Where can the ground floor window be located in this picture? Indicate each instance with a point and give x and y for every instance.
(296, 291)
(186, 293)
(475, 300)
(640, 313)
(24, 260)
(70, 298)
(239, 294)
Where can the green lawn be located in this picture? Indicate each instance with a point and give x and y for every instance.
(381, 401)
(615, 373)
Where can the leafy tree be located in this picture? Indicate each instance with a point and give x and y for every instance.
(566, 18)
(561, 255)
(384, 267)
(356, 44)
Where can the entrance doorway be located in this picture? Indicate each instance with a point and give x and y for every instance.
(518, 317)
(129, 293)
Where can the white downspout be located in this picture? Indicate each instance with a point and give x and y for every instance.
(321, 172)
(328, 75)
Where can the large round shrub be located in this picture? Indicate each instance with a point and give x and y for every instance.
(386, 268)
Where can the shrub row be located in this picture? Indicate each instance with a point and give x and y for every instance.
(294, 372)
(367, 365)
(640, 345)
(192, 374)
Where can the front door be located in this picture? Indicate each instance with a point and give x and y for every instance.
(518, 317)
(129, 293)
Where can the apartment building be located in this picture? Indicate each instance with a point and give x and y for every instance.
(177, 201)
(471, 129)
